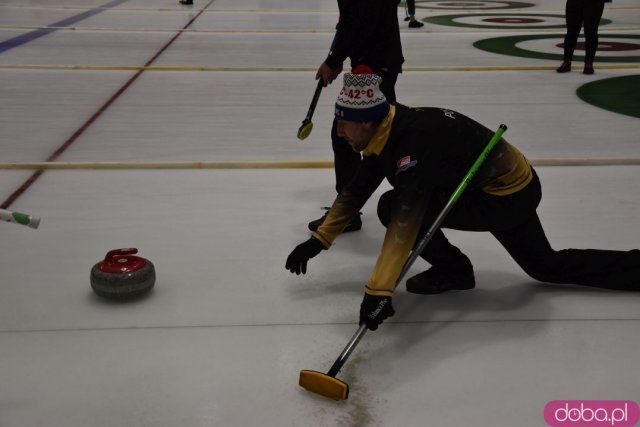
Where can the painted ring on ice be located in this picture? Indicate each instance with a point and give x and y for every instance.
(549, 46)
(465, 5)
(618, 94)
(528, 21)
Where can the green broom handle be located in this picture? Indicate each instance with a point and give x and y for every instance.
(423, 242)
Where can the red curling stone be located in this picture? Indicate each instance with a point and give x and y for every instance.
(122, 275)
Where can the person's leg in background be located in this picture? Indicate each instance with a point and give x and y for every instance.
(574, 14)
(592, 14)
(411, 14)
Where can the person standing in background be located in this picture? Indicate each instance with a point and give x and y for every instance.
(368, 34)
(577, 14)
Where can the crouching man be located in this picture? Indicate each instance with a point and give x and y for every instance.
(424, 153)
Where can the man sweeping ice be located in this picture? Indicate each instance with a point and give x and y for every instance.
(423, 153)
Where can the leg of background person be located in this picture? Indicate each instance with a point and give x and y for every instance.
(411, 7)
(388, 85)
(573, 16)
(411, 11)
(592, 16)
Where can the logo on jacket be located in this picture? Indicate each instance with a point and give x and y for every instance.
(448, 113)
(405, 163)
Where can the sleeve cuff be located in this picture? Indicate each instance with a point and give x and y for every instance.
(378, 292)
(322, 240)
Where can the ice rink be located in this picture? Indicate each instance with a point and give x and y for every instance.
(172, 129)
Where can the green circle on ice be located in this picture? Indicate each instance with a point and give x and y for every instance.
(618, 94)
(509, 46)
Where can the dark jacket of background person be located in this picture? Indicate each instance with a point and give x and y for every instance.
(367, 33)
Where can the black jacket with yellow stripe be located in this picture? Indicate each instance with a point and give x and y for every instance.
(420, 151)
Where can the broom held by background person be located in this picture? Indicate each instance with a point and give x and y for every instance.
(423, 153)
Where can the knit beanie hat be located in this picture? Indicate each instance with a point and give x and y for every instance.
(361, 99)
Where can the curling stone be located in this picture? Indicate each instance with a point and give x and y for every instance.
(122, 275)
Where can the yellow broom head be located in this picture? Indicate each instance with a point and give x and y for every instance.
(305, 129)
(324, 385)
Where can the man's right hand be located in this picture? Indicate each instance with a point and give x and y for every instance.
(297, 260)
(327, 74)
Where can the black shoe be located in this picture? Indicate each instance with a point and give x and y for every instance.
(354, 225)
(441, 278)
(565, 67)
(187, 2)
(415, 24)
(588, 68)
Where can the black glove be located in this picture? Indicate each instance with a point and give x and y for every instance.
(374, 309)
(297, 260)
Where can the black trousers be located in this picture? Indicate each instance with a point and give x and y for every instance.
(514, 222)
(577, 14)
(346, 160)
(411, 7)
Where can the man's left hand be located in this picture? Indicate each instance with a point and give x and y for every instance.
(374, 310)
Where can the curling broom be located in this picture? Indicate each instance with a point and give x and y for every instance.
(307, 124)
